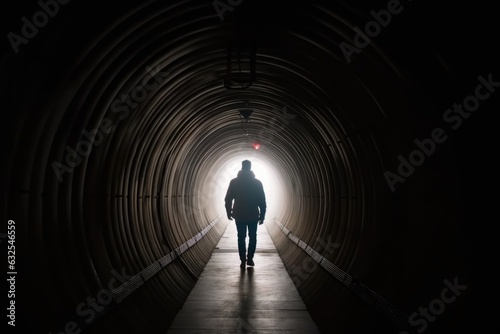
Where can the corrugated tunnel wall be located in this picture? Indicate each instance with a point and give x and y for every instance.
(121, 128)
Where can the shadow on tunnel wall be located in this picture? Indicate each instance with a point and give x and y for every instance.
(376, 116)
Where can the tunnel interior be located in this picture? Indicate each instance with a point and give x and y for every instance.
(123, 124)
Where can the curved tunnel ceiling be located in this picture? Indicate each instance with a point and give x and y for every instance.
(144, 83)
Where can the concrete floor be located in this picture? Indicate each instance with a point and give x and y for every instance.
(260, 299)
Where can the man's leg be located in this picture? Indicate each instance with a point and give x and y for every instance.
(242, 234)
(252, 234)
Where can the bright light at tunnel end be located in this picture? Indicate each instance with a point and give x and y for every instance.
(264, 171)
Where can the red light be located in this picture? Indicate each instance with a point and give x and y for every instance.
(256, 146)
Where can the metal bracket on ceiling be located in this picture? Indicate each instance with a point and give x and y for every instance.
(240, 65)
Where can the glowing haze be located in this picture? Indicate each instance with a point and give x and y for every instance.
(264, 171)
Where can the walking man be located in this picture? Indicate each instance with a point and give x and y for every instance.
(248, 209)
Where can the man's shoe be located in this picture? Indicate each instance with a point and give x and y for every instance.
(250, 262)
(242, 265)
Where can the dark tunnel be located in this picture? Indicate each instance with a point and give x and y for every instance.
(123, 122)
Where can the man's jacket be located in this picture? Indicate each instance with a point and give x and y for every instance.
(248, 195)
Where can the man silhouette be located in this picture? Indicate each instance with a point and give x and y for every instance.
(249, 209)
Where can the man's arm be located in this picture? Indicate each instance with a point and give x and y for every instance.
(229, 200)
(262, 205)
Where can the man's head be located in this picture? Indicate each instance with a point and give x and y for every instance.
(246, 165)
